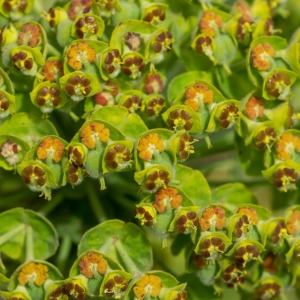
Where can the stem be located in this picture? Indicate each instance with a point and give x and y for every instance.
(95, 204)
(29, 244)
(64, 252)
(51, 205)
(11, 234)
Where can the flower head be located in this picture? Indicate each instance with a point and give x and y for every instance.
(115, 287)
(133, 103)
(133, 66)
(251, 213)
(92, 264)
(153, 83)
(261, 56)
(34, 176)
(149, 146)
(86, 27)
(198, 94)
(285, 178)
(4, 105)
(268, 291)
(287, 145)
(33, 272)
(154, 106)
(75, 174)
(78, 7)
(185, 147)
(234, 275)
(52, 70)
(68, 291)
(30, 35)
(77, 154)
(246, 253)
(293, 222)
(228, 115)
(212, 217)
(279, 85)
(210, 23)
(265, 137)
(211, 248)
(24, 62)
(107, 95)
(48, 98)
(164, 196)
(242, 226)
(93, 133)
(156, 180)
(78, 87)
(15, 8)
(118, 157)
(148, 285)
(50, 148)
(112, 63)
(146, 214)
(204, 44)
(133, 41)
(79, 55)
(180, 119)
(187, 222)
(9, 150)
(279, 233)
(254, 108)
(155, 15)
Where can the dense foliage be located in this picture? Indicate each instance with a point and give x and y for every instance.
(149, 149)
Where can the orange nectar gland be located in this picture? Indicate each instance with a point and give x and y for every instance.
(261, 56)
(286, 145)
(251, 213)
(212, 217)
(293, 223)
(197, 94)
(30, 35)
(94, 133)
(254, 108)
(163, 196)
(80, 54)
(210, 23)
(50, 147)
(33, 272)
(52, 70)
(151, 145)
(93, 264)
(148, 285)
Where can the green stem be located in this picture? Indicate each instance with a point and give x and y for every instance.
(95, 203)
(51, 205)
(29, 244)
(11, 234)
(64, 252)
(107, 246)
(129, 263)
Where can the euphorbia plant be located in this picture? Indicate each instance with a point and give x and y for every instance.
(149, 149)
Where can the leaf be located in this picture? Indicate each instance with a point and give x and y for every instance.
(233, 195)
(124, 242)
(28, 127)
(194, 185)
(25, 234)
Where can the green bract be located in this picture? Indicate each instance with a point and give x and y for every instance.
(166, 137)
